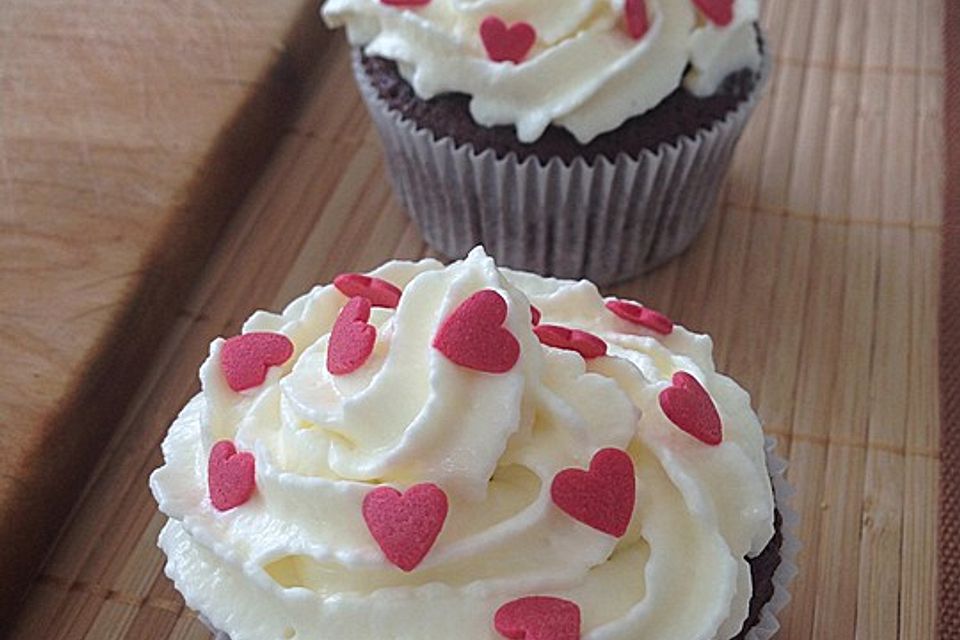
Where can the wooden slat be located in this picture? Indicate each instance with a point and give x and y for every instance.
(818, 280)
(129, 133)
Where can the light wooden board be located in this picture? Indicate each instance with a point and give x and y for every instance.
(817, 279)
(129, 132)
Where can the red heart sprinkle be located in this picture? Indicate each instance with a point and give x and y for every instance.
(379, 292)
(638, 314)
(602, 497)
(405, 525)
(473, 336)
(230, 476)
(507, 44)
(535, 315)
(719, 12)
(636, 14)
(586, 344)
(688, 405)
(244, 359)
(352, 339)
(405, 3)
(538, 618)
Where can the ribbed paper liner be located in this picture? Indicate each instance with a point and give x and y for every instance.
(768, 624)
(602, 220)
(217, 634)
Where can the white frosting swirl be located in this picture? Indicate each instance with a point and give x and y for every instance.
(584, 72)
(298, 561)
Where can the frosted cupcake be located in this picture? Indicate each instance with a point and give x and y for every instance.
(577, 138)
(475, 453)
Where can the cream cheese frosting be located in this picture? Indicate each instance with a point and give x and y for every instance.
(584, 71)
(296, 560)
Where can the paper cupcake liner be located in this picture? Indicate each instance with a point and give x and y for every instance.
(768, 624)
(602, 220)
(217, 634)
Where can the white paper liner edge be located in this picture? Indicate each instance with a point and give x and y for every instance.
(217, 634)
(768, 624)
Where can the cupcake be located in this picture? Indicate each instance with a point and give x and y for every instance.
(476, 453)
(588, 140)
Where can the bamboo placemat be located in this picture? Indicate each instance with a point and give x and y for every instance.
(949, 618)
(818, 279)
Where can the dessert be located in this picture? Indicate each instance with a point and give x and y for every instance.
(437, 464)
(588, 138)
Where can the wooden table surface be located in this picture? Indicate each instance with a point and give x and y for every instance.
(129, 133)
(817, 279)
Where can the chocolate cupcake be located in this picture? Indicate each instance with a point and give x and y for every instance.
(587, 138)
(429, 452)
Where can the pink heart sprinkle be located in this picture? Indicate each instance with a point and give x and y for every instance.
(538, 618)
(535, 315)
(244, 359)
(719, 12)
(230, 476)
(688, 405)
(640, 315)
(638, 23)
(379, 292)
(405, 525)
(602, 497)
(585, 343)
(507, 44)
(473, 336)
(352, 339)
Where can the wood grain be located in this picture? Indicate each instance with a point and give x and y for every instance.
(129, 132)
(818, 280)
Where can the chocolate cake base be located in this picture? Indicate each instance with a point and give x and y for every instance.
(607, 211)
(762, 569)
(448, 115)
